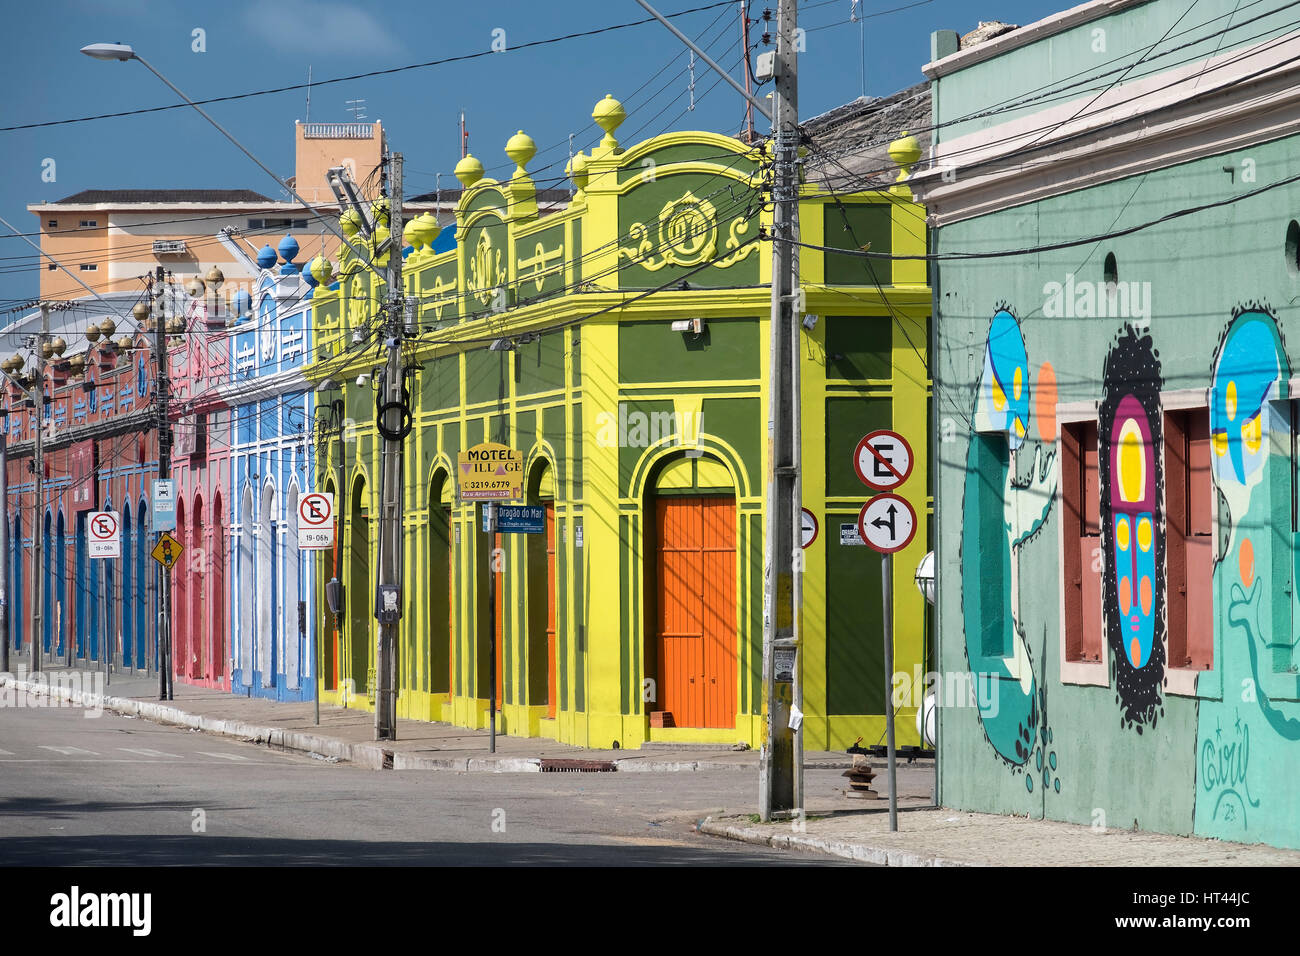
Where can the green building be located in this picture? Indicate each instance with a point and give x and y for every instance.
(619, 343)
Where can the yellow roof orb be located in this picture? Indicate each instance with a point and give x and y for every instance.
(469, 170)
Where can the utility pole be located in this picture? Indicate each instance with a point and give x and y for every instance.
(4, 548)
(393, 420)
(164, 472)
(781, 760)
(38, 523)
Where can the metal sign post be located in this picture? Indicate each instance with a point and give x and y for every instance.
(887, 523)
(887, 619)
(490, 526)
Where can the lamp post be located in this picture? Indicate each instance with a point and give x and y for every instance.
(123, 52)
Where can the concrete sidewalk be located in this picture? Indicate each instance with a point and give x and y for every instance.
(348, 735)
(928, 837)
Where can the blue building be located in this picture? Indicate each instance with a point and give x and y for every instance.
(272, 642)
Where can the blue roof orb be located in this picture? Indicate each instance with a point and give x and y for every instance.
(308, 278)
(243, 301)
(288, 248)
(266, 257)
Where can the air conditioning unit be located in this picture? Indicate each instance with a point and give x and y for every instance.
(168, 247)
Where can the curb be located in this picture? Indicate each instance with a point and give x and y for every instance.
(367, 756)
(858, 852)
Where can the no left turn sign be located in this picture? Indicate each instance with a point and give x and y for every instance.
(883, 460)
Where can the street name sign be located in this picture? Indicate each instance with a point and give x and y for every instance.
(521, 519)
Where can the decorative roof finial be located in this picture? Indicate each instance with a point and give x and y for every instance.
(609, 115)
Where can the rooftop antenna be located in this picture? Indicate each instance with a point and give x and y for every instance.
(464, 136)
(862, 43)
(309, 93)
(749, 74)
(357, 108)
(690, 87)
(572, 187)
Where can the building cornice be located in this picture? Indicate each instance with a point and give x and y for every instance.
(1023, 36)
(1161, 121)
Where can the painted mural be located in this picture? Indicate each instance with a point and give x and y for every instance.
(1133, 537)
(1256, 702)
(1003, 510)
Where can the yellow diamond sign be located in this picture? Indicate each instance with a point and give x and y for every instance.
(167, 551)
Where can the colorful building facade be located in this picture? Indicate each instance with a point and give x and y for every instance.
(200, 466)
(1116, 536)
(621, 346)
(272, 607)
(101, 454)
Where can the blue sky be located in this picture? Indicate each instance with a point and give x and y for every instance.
(547, 91)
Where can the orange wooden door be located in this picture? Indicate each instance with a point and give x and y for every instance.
(696, 610)
(451, 623)
(550, 610)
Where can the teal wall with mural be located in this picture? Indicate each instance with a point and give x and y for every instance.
(1117, 485)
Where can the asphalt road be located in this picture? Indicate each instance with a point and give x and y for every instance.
(119, 791)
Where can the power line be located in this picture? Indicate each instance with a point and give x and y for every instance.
(459, 58)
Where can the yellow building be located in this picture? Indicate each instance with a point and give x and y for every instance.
(621, 346)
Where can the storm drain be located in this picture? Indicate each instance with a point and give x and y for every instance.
(555, 765)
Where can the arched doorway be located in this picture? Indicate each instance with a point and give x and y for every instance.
(180, 598)
(359, 593)
(17, 618)
(49, 592)
(145, 586)
(264, 664)
(195, 665)
(292, 564)
(82, 586)
(128, 582)
(691, 650)
(61, 607)
(540, 549)
(108, 622)
(440, 597)
(246, 589)
(331, 568)
(217, 583)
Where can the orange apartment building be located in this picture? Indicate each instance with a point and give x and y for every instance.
(110, 238)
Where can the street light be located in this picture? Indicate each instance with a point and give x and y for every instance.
(123, 52)
(109, 51)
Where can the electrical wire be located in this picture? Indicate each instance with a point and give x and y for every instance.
(459, 58)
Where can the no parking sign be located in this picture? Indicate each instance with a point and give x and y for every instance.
(316, 521)
(104, 532)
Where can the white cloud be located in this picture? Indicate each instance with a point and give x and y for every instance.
(297, 26)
